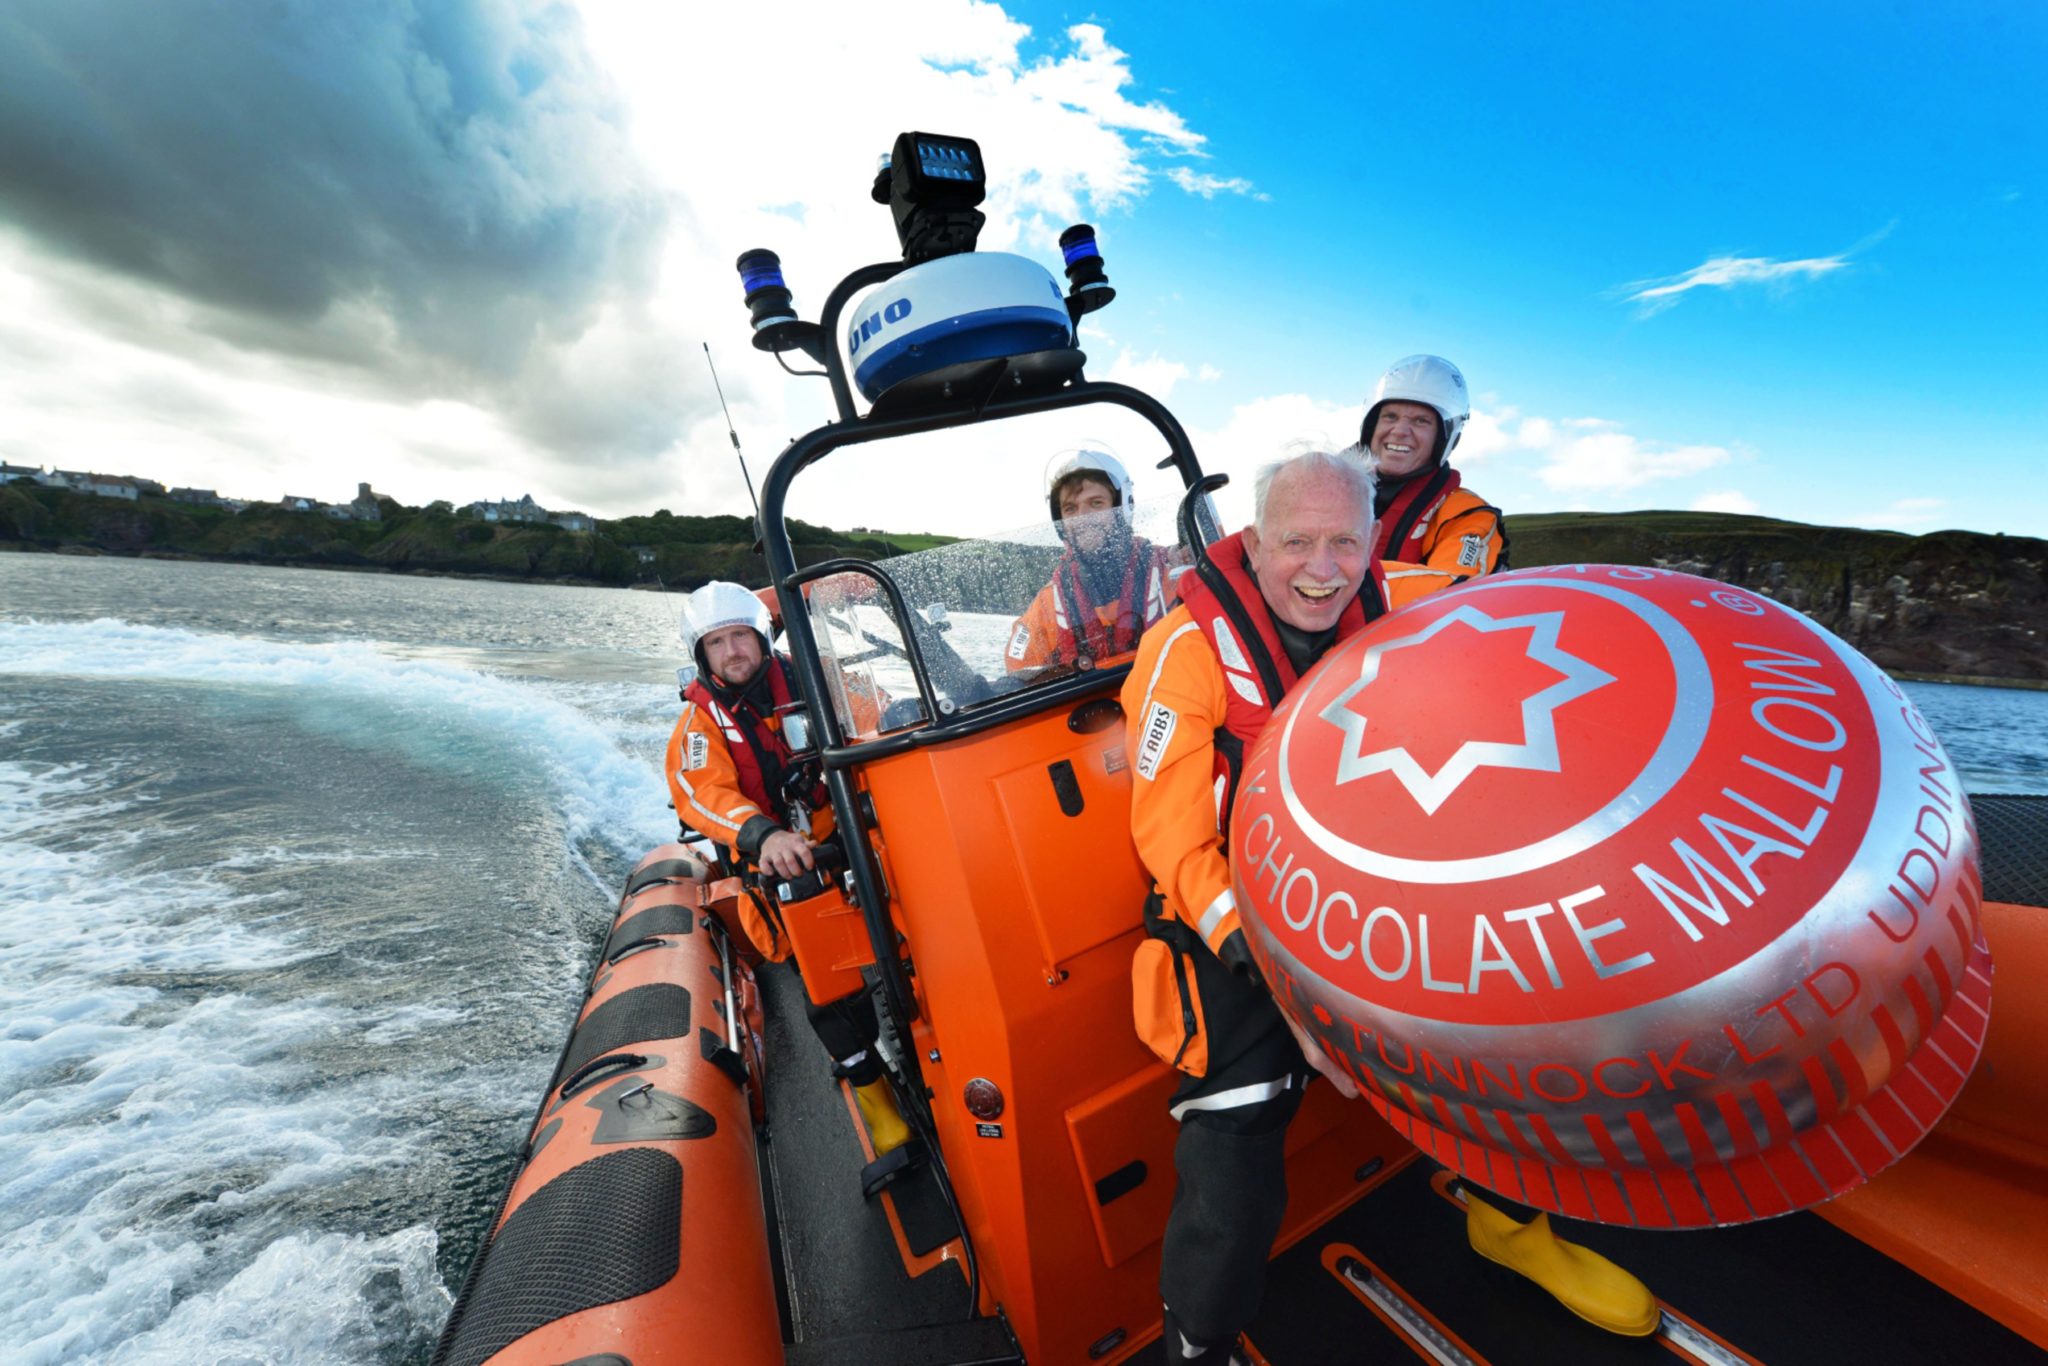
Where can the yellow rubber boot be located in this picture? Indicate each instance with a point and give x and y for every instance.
(886, 1129)
(1582, 1280)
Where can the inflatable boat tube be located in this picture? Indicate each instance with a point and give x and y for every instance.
(634, 1229)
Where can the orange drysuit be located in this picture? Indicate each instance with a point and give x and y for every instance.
(1065, 625)
(1203, 686)
(1190, 719)
(1435, 534)
(727, 769)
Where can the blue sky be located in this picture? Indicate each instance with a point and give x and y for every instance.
(1489, 182)
(1788, 259)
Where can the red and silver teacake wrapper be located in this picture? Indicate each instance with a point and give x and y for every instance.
(1625, 894)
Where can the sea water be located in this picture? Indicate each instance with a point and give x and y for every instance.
(299, 875)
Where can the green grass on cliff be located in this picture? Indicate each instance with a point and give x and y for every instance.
(677, 551)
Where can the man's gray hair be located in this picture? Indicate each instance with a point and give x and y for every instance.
(1354, 465)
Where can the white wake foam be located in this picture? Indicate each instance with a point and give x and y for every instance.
(136, 1127)
(169, 1153)
(570, 735)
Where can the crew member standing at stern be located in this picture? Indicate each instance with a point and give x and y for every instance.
(1432, 532)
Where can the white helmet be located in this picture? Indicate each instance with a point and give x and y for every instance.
(716, 605)
(1092, 461)
(1428, 380)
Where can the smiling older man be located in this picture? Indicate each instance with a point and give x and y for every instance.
(1269, 602)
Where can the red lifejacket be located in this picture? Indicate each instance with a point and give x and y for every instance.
(761, 763)
(1394, 535)
(1139, 604)
(1232, 615)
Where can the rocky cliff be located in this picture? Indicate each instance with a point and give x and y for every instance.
(1954, 603)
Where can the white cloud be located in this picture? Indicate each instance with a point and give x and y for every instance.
(1726, 500)
(1581, 456)
(1154, 374)
(1725, 272)
(1209, 186)
(1729, 272)
(1207, 374)
(594, 393)
(1608, 461)
(1266, 429)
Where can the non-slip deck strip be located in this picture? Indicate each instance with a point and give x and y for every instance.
(660, 1010)
(2013, 833)
(666, 919)
(1792, 1289)
(668, 870)
(599, 1233)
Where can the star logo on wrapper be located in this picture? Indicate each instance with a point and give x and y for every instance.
(1455, 650)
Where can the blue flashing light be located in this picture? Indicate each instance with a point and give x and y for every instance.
(761, 270)
(1080, 249)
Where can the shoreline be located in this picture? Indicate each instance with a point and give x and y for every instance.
(181, 557)
(1970, 680)
(646, 586)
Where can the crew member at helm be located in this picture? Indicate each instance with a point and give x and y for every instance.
(1432, 532)
(731, 773)
(1110, 583)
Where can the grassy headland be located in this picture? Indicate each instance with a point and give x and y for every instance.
(1952, 604)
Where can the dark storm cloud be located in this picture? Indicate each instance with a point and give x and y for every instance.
(438, 192)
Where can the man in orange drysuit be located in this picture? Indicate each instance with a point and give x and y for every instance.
(1269, 602)
(732, 775)
(1431, 532)
(1110, 583)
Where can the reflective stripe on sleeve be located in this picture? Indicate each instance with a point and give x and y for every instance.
(739, 814)
(1224, 904)
(1237, 1096)
(1159, 664)
(733, 823)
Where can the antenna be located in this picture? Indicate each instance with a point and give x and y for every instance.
(729, 431)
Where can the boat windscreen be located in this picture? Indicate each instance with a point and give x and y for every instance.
(993, 616)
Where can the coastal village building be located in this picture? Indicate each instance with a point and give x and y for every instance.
(112, 486)
(128, 486)
(526, 510)
(363, 508)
